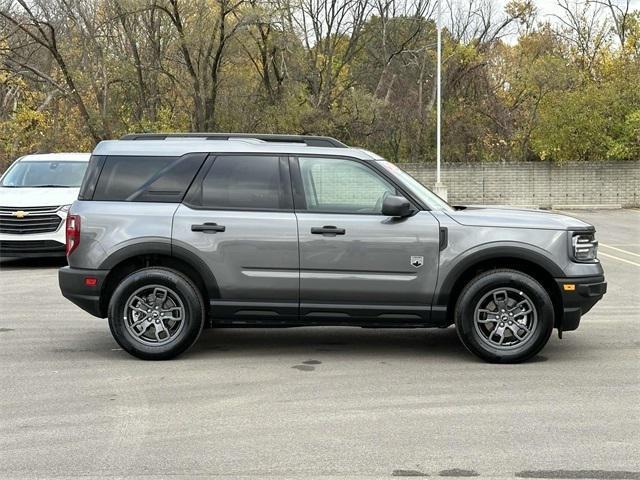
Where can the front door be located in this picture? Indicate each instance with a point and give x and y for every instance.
(357, 265)
(238, 219)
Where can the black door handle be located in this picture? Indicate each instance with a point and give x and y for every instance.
(208, 228)
(328, 230)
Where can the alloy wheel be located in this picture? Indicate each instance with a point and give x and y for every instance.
(505, 318)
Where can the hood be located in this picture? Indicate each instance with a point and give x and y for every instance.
(37, 197)
(516, 218)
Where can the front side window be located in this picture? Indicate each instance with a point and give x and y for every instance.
(53, 174)
(245, 182)
(342, 186)
(425, 195)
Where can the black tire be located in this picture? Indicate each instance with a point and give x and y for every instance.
(183, 295)
(476, 332)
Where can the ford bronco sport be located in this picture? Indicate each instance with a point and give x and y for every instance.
(175, 233)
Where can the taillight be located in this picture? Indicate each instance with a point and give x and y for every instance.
(73, 233)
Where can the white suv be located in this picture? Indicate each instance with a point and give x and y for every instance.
(35, 195)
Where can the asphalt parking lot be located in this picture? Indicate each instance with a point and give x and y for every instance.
(325, 402)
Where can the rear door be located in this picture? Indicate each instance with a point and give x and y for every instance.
(357, 265)
(238, 218)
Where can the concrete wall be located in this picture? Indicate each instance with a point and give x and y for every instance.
(538, 184)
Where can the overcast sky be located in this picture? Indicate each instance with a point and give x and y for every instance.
(550, 7)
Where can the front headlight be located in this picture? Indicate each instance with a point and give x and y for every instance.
(584, 247)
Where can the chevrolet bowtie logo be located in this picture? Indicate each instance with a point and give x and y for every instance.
(20, 214)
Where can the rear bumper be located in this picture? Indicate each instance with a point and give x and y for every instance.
(73, 287)
(577, 301)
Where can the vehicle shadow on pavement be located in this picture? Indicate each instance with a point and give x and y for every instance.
(351, 341)
(10, 264)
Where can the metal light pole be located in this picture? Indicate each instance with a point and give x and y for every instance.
(439, 188)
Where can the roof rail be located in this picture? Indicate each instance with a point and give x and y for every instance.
(309, 140)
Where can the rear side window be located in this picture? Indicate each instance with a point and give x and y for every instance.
(91, 176)
(246, 182)
(147, 179)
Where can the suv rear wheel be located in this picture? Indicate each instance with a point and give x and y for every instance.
(504, 316)
(156, 313)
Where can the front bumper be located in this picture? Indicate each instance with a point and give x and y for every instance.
(31, 248)
(32, 245)
(579, 295)
(73, 287)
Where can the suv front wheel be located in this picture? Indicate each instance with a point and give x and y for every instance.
(504, 316)
(156, 313)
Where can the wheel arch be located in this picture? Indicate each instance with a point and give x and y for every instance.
(475, 262)
(156, 254)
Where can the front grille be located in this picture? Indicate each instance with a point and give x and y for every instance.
(35, 220)
(10, 210)
(29, 246)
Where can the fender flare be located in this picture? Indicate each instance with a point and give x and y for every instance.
(497, 251)
(168, 250)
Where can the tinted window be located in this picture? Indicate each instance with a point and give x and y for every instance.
(245, 182)
(122, 177)
(171, 182)
(342, 186)
(58, 173)
(91, 177)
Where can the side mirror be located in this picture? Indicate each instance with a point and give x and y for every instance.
(394, 206)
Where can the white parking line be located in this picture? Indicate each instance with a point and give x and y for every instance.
(619, 249)
(618, 258)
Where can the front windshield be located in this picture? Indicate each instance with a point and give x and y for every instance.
(59, 173)
(425, 195)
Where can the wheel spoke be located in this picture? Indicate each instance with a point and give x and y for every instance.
(515, 332)
(486, 320)
(140, 301)
(141, 311)
(160, 327)
(161, 295)
(490, 316)
(494, 331)
(523, 312)
(523, 308)
(500, 300)
(138, 322)
(518, 305)
(169, 313)
(139, 333)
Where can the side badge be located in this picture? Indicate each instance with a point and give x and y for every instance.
(417, 261)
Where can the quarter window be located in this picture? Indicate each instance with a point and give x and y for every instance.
(123, 176)
(245, 182)
(342, 186)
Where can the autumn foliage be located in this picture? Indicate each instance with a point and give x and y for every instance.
(517, 85)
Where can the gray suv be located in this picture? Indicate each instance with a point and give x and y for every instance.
(175, 233)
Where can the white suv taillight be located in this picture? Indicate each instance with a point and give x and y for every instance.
(72, 232)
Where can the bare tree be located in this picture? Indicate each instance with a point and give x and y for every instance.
(38, 24)
(415, 13)
(269, 37)
(585, 28)
(620, 12)
(204, 34)
(331, 31)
